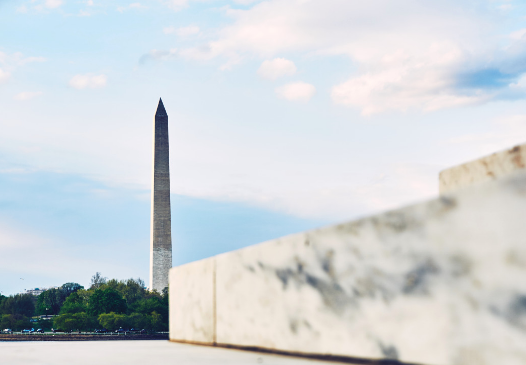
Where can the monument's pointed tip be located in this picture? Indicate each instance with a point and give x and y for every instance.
(160, 108)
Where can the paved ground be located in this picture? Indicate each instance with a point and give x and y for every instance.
(135, 352)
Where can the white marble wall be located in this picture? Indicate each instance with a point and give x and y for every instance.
(192, 302)
(442, 282)
(484, 169)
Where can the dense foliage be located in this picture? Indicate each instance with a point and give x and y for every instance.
(108, 304)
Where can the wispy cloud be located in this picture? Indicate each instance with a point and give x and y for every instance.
(504, 132)
(408, 55)
(132, 6)
(42, 5)
(10, 62)
(278, 67)
(27, 95)
(4, 75)
(88, 81)
(158, 55)
(176, 4)
(182, 31)
(297, 91)
(52, 4)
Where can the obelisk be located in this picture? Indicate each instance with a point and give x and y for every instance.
(160, 227)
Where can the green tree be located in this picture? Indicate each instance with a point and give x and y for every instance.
(75, 303)
(157, 323)
(97, 281)
(106, 301)
(132, 290)
(112, 321)
(73, 321)
(50, 301)
(147, 305)
(138, 321)
(23, 304)
(70, 288)
(2, 298)
(16, 322)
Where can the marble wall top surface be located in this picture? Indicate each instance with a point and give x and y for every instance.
(484, 169)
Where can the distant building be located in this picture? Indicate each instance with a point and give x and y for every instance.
(67, 288)
(37, 291)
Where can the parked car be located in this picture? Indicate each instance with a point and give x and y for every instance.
(56, 330)
(120, 330)
(40, 330)
(104, 330)
(7, 330)
(28, 330)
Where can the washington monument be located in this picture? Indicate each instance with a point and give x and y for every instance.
(160, 227)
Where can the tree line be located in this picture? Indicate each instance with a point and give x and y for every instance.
(108, 304)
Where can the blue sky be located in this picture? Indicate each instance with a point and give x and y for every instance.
(284, 116)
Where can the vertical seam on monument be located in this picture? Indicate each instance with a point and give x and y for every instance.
(214, 301)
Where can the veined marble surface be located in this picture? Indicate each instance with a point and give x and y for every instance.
(192, 308)
(487, 168)
(442, 282)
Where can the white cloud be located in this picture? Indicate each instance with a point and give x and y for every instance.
(176, 4)
(518, 35)
(407, 55)
(88, 81)
(158, 55)
(4, 75)
(27, 95)
(187, 31)
(18, 59)
(505, 132)
(278, 67)
(402, 81)
(43, 5)
(121, 9)
(182, 31)
(169, 30)
(89, 3)
(52, 4)
(23, 61)
(245, 2)
(10, 62)
(297, 91)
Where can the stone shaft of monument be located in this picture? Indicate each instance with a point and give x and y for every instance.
(160, 228)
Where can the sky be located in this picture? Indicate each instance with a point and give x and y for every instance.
(284, 116)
